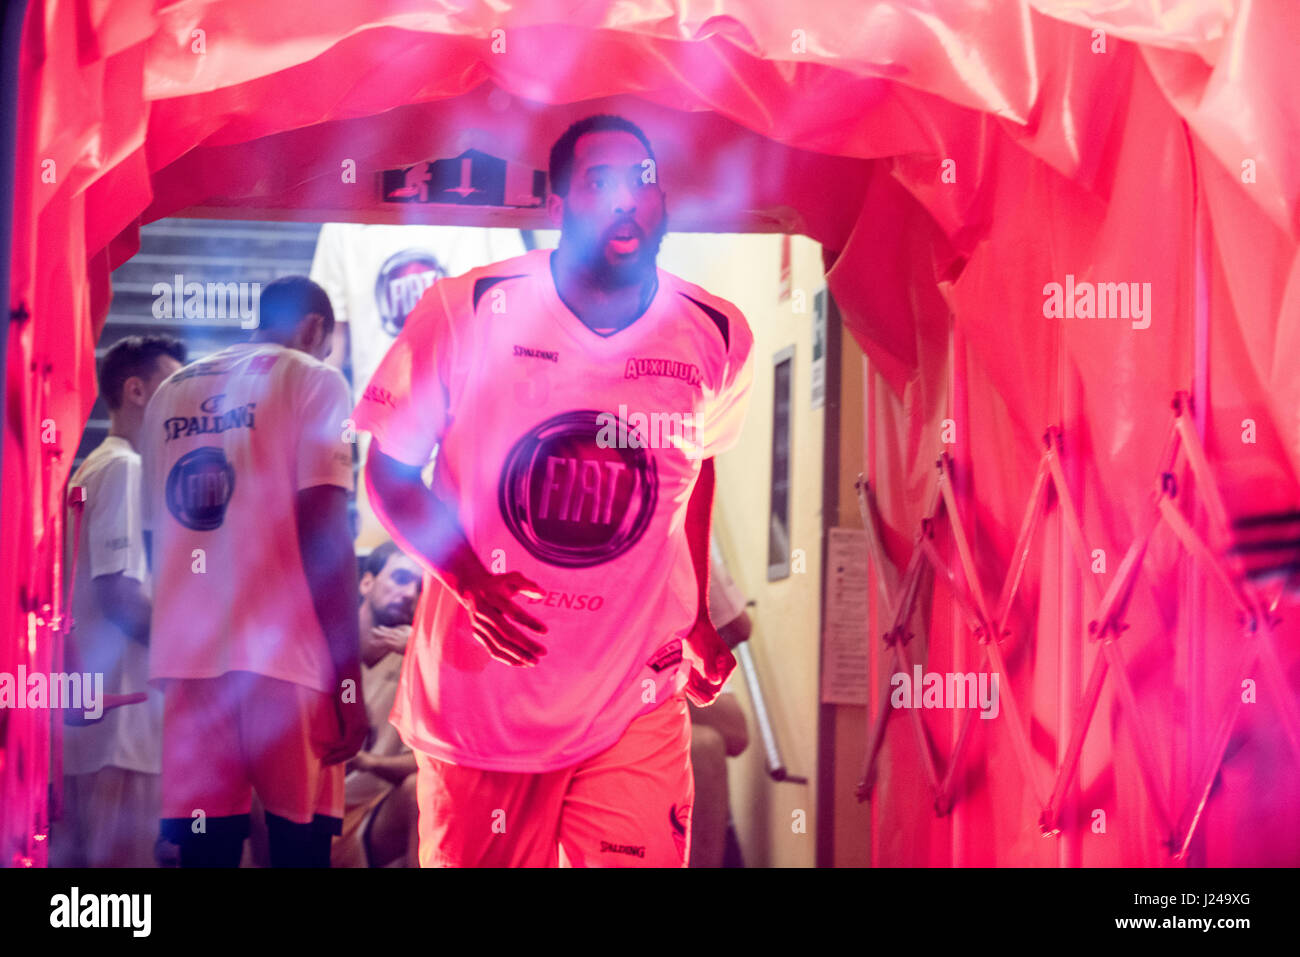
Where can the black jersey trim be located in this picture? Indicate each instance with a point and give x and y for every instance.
(487, 282)
(719, 319)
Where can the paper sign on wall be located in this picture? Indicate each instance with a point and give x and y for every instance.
(846, 662)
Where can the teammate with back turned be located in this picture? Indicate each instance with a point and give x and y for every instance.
(576, 398)
(247, 463)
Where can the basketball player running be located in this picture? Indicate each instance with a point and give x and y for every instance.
(576, 399)
(246, 468)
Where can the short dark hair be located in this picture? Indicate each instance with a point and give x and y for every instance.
(285, 302)
(379, 555)
(134, 356)
(561, 166)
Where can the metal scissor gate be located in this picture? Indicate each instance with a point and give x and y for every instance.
(1256, 610)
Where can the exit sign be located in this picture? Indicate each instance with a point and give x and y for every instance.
(472, 179)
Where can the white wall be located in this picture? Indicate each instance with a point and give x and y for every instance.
(746, 270)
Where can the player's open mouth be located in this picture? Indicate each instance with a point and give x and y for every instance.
(625, 240)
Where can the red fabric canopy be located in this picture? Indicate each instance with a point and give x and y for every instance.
(953, 157)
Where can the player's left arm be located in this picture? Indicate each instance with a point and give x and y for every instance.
(116, 568)
(124, 602)
(699, 514)
(712, 660)
(719, 428)
(323, 480)
(115, 548)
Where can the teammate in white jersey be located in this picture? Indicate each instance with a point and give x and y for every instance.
(577, 399)
(375, 273)
(247, 465)
(111, 768)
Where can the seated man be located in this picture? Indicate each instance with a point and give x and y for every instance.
(379, 819)
(718, 732)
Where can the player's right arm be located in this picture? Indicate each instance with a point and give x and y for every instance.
(406, 408)
(427, 527)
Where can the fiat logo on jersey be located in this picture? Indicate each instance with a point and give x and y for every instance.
(199, 487)
(400, 284)
(571, 502)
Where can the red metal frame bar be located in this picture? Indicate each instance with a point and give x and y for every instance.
(1010, 586)
(63, 625)
(1199, 795)
(1107, 620)
(896, 638)
(1138, 729)
(1257, 619)
(988, 636)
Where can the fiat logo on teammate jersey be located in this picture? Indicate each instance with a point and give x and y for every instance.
(571, 502)
(401, 282)
(199, 487)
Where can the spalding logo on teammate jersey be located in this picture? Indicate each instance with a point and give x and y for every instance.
(570, 501)
(199, 487)
(400, 284)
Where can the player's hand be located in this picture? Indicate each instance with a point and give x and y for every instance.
(76, 717)
(493, 613)
(354, 726)
(361, 761)
(392, 637)
(711, 662)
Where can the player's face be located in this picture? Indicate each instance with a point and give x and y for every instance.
(614, 215)
(393, 593)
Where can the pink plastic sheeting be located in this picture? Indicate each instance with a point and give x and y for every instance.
(1084, 137)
